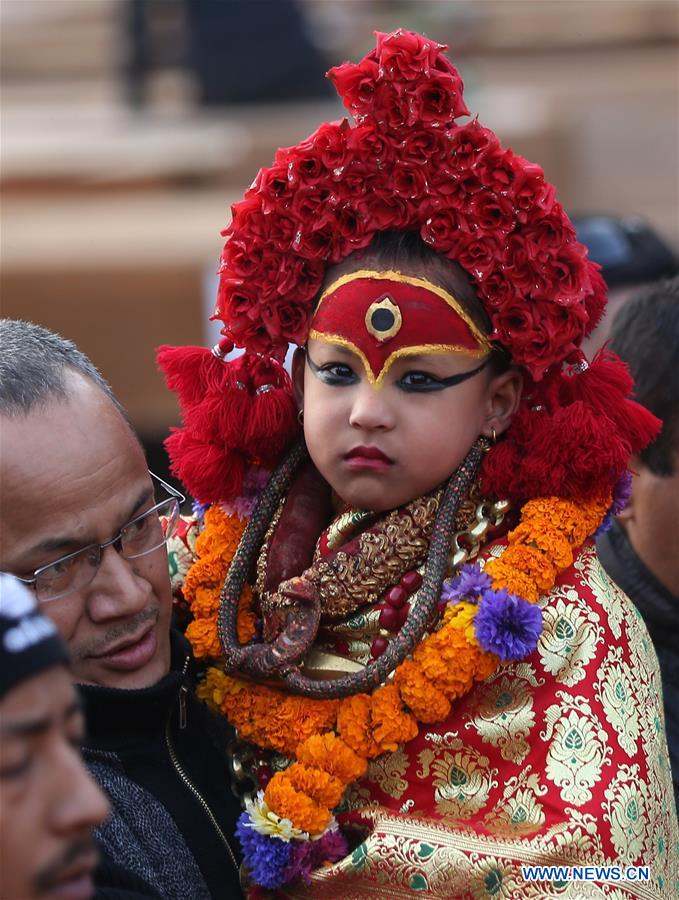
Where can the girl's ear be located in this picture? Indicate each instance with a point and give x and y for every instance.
(502, 401)
(298, 364)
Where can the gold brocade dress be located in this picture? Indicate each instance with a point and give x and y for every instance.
(560, 759)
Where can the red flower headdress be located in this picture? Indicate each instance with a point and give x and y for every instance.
(406, 164)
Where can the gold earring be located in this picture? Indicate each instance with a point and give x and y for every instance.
(300, 416)
(494, 436)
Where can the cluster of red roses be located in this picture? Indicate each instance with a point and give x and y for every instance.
(405, 164)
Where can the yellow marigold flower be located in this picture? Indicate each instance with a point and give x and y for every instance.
(461, 616)
(353, 725)
(202, 634)
(329, 752)
(302, 811)
(213, 687)
(325, 789)
(425, 701)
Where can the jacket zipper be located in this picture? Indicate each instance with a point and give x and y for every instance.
(185, 778)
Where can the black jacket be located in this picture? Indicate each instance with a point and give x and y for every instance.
(155, 752)
(659, 609)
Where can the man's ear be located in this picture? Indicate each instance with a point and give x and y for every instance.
(502, 401)
(298, 364)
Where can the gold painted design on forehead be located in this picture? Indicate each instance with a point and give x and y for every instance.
(393, 275)
(401, 353)
(383, 319)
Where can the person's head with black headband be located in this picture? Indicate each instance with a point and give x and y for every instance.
(48, 801)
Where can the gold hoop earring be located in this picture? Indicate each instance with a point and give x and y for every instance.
(300, 416)
(494, 436)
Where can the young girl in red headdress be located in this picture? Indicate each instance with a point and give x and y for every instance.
(433, 682)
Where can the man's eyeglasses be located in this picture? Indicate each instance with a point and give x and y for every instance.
(144, 534)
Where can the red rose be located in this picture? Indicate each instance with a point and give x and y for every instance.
(595, 302)
(364, 142)
(273, 187)
(316, 243)
(405, 55)
(433, 101)
(548, 233)
(236, 303)
(423, 147)
(409, 182)
(310, 204)
(239, 260)
(286, 320)
(492, 213)
(469, 141)
(530, 192)
(495, 168)
(442, 229)
(496, 290)
(568, 274)
(383, 212)
(392, 107)
(246, 214)
(355, 84)
(478, 255)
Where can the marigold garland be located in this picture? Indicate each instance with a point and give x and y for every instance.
(331, 741)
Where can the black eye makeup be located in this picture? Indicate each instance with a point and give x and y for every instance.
(422, 382)
(333, 373)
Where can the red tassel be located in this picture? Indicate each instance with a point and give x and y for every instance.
(210, 473)
(606, 386)
(272, 420)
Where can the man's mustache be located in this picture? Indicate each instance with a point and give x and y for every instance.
(79, 852)
(99, 645)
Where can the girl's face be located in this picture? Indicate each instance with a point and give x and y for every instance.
(380, 447)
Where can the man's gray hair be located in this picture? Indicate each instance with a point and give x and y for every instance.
(34, 363)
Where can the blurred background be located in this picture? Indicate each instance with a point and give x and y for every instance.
(129, 126)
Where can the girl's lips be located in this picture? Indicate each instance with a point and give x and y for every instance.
(80, 887)
(368, 458)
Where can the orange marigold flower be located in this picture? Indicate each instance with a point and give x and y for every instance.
(484, 664)
(303, 812)
(221, 535)
(325, 789)
(552, 542)
(205, 602)
(392, 725)
(533, 563)
(425, 701)
(444, 659)
(246, 619)
(202, 634)
(353, 725)
(329, 752)
(505, 575)
(208, 572)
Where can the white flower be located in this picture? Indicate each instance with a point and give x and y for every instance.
(265, 821)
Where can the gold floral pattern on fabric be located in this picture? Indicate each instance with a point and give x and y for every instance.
(615, 693)
(519, 811)
(626, 810)
(461, 779)
(604, 591)
(535, 809)
(579, 749)
(502, 714)
(387, 772)
(570, 635)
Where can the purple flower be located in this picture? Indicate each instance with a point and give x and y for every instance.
(507, 625)
(468, 583)
(256, 479)
(621, 497)
(311, 855)
(266, 858)
(198, 509)
(622, 492)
